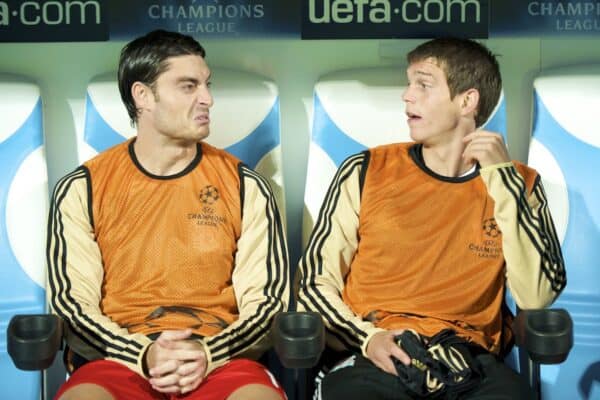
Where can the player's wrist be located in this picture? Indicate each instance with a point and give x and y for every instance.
(145, 368)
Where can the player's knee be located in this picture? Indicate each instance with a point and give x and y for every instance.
(87, 391)
(255, 392)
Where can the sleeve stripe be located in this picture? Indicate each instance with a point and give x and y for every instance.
(546, 223)
(559, 281)
(65, 305)
(275, 242)
(59, 286)
(312, 263)
(348, 341)
(237, 339)
(516, 187)
(551, 265)
(519, 186)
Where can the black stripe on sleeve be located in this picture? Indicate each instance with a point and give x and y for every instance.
(551, 261)
(312, 262)
(249, 331)
(90, 331)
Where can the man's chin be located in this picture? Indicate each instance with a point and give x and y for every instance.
(415, 136)
(201, 135)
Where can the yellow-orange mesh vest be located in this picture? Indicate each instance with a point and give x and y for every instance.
(168, 244)
(429, 254)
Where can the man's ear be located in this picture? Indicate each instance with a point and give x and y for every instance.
(469, 102)
(142, 95)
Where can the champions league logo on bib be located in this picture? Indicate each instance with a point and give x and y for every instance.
(209, 195)
(490, 228)
(209, 215)
(490, 246)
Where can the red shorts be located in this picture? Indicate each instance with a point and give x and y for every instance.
(123, 383)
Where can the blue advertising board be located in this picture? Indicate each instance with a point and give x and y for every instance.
(53, 21)
(550, 18)
(206, 18)
(102, 20)
(383, 19)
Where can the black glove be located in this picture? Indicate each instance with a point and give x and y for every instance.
(444, 364)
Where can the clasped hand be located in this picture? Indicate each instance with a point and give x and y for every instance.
(175, 363)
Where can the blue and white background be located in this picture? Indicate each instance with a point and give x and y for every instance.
(565, 148)
(23, 215)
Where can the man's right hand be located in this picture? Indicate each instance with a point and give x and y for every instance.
(382, 347)
(176, 364)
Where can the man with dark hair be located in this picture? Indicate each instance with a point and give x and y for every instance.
(417, 243)
(167, 258)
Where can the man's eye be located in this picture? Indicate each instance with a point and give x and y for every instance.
(208, 84)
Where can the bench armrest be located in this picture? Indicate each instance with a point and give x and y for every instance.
(33, 340)
(547, 335)
(299, 338)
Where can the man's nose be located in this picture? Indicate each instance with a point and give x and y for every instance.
(407, 95)
(205, 96)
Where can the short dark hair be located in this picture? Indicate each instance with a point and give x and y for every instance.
(146, 57)
(468, 65)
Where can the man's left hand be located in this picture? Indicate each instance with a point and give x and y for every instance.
(485, 147)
